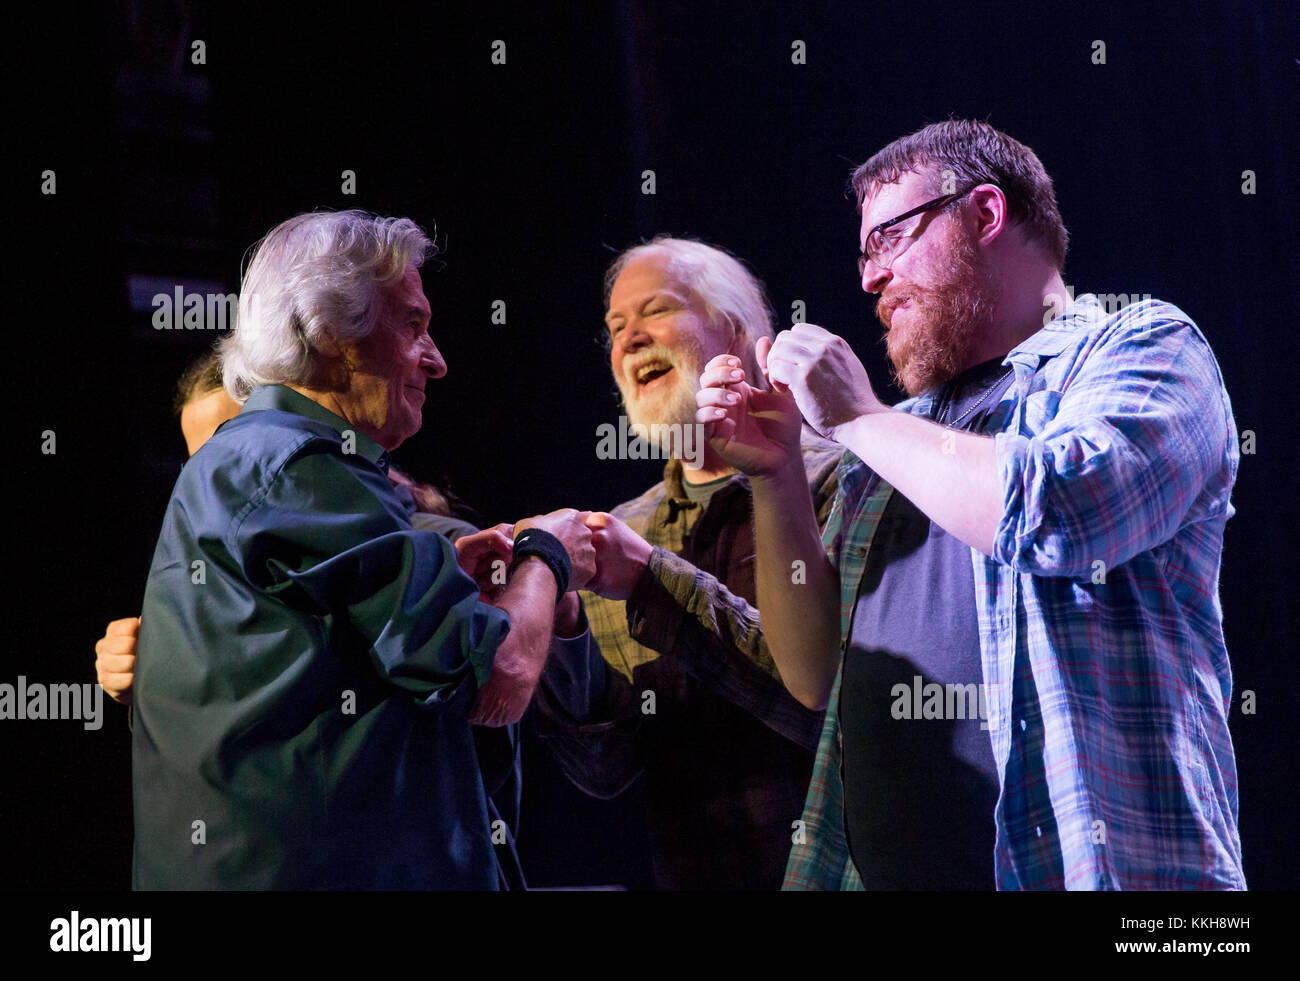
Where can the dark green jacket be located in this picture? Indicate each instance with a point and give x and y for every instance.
(307, 664)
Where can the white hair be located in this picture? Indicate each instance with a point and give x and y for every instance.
(314, 276)
(730, 293)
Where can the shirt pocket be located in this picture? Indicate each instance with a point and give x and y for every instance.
(1041, 407)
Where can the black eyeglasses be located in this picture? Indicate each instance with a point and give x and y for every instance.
(884, 246)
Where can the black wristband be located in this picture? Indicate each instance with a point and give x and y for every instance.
(544, 545)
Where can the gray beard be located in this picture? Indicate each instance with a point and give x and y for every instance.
(678, 409)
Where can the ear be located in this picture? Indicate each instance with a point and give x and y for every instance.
(989, 210)
(741, 347)
(335, 363)
(328, 347)
(736, 340)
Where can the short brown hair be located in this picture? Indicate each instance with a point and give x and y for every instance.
(200, 378)
(975, 153)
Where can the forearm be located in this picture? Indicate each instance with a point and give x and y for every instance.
(951, 476)
(673, 596)
(717, 638)
(529, 598)
(798, 588)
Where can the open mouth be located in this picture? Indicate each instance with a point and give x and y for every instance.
(648, 375)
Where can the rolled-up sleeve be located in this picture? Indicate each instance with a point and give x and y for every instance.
(320, 538)
(1131, 447)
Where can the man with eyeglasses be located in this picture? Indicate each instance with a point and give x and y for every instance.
(1021, 651)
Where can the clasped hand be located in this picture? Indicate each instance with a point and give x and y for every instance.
(608, 556)
(812, 373)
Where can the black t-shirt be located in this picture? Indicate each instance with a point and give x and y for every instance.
(920, 784)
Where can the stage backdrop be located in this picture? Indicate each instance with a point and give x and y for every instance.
(158, 141)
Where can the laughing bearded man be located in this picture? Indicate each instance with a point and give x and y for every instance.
(686, 694)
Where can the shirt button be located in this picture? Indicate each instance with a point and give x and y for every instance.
(1038, 830)
(1023, 725)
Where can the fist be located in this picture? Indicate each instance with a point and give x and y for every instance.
(115, 658)
(621, 556)
(484, 556)
(569, 527)
(823, 374)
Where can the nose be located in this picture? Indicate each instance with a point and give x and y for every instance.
(874, 277)
(634, 335)
(432, 361)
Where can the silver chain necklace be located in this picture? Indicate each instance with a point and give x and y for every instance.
(983, 397)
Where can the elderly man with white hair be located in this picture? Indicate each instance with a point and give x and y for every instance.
(688, 697)
(310, 664)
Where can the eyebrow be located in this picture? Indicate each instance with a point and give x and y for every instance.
(649, 298)
(418, 311)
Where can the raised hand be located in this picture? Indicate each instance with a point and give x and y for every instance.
(755, 431)
(823, 374)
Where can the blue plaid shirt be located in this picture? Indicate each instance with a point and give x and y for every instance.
(1101, 638)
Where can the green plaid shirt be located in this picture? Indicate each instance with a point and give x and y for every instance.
(820, 857)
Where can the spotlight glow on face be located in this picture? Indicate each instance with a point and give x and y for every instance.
(660, 339)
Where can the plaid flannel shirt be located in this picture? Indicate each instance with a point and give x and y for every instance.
(728, 752)
(1101, 640)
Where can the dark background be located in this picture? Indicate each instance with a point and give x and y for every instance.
(530, 172)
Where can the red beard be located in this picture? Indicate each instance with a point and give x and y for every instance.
(943, 322)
